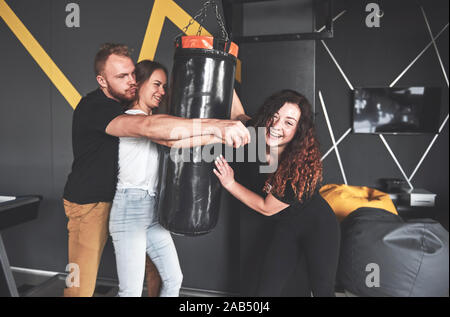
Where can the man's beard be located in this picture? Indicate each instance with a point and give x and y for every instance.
(124, 98)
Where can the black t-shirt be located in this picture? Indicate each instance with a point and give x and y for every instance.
(94, 170)
(249, 175)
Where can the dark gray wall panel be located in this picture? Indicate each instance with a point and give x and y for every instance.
(26, 134)
(278, 17)
(270, 67)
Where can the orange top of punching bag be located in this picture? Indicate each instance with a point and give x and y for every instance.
(205, 42)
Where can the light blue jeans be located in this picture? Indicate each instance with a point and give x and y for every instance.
(136, 232)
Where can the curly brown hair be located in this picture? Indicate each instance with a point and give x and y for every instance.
(300, 163)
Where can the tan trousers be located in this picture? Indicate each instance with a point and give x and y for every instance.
(88, 232)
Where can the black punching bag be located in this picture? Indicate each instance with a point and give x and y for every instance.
(202, 85)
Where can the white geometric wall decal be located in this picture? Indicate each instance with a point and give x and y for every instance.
(428, 149)
(337, 65)
(332, 137)
(334, 19)
(395, 160)
(335, 144)
(417, 57)
(433, 40)
(435, 46)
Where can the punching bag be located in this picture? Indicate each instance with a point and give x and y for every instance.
(202, 85)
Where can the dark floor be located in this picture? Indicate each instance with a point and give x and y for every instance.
(39, 285)
(31, 284)
(35, 285)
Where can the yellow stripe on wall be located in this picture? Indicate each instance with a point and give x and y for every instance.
(40, 56)
(163, 9)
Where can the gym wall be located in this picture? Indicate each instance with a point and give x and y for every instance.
(399, 53)
(36, 107)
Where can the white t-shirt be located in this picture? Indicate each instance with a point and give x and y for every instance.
(138, 162)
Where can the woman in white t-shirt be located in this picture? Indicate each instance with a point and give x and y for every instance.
(133, 222)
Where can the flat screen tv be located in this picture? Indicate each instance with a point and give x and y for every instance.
(408, 110)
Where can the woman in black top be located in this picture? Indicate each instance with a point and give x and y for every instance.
(307, 231)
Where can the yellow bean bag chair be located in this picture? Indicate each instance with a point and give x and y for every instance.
(345, 199)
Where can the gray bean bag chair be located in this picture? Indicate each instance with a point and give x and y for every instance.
(381, 255)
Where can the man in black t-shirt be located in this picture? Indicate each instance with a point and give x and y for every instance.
(98, 121)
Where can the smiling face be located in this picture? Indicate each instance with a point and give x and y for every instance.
(152, 91)
(284, 126)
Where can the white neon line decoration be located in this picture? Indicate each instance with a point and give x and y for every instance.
(443, 124)
(337, 143)
(334, 19)
(435, 46)
(332, 137)
(395, 160)
(417, 57)
(428, 149)
(432, 42)
(337, 65)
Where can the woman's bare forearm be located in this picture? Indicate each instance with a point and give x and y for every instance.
(190, 142)
(267, 206)
(248, 197)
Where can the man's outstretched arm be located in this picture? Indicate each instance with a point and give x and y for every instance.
(237, 113)
(169, 128)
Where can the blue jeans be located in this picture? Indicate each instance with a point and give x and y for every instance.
(135, 231)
